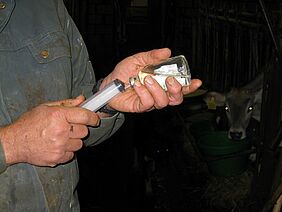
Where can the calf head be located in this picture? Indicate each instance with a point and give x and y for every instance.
(240, 106)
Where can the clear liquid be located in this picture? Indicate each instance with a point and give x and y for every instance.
(176, 67)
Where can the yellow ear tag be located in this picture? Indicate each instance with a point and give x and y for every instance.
(211, 104)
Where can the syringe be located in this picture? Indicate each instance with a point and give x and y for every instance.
(102, 97)
(174, 66)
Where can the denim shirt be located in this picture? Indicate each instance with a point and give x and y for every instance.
(42, 58)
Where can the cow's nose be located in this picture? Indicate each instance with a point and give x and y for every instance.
(236, 135)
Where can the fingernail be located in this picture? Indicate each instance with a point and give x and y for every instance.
(98, 122)
(79, 96)
(171, 81)
(137, 83)
(149, 80)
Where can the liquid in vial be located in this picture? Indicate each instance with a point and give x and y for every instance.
(175, 66)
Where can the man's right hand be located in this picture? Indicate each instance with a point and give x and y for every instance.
(49, 134)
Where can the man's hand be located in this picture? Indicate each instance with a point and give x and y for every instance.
(150, 95)
(48, 134)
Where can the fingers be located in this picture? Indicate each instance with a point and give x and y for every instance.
(73, 145)
(79, 115)
(67, 156)
(159, 54)
(195, 84)
(78, 131)
(153, 56)
(153, 96)
(157, 92)
(67, 153)
(174, 91)
(75, 114)
(145, 99)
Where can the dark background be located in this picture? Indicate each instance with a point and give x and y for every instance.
(226, 43)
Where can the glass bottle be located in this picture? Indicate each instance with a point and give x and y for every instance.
(175, 66)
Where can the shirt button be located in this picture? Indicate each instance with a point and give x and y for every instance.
(44, 54)
(2, 5)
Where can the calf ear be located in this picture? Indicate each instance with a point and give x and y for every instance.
(258, 97)
(257, 105)
(214, 98)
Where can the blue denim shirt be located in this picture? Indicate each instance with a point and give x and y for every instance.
(42, 58)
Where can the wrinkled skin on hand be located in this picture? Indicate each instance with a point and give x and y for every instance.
(146, 97)
(49, 134)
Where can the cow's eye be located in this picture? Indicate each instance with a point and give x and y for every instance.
(226, 108)
(250, 108)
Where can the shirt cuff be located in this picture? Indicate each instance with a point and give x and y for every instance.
(108, 126)
(3, 165)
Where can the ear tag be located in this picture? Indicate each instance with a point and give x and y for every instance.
(211, 104)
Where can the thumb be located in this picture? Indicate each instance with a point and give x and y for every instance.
(67, 102)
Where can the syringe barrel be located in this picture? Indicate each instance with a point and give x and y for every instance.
(102, 97)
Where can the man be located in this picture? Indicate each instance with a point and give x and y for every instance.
(44, 75)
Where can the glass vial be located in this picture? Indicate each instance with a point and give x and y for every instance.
(175, 66)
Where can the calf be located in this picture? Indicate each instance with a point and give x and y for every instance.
(240, 104)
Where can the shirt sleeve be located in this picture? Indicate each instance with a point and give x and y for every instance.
(3, 164)
(83, 80)
(108, 126)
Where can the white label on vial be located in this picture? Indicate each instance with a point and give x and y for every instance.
(163, 72)
(170, 70)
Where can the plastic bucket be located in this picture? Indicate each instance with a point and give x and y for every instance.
(201, 124)
(224, 156)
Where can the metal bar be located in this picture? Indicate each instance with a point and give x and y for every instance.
(262, 187)
(233, 20)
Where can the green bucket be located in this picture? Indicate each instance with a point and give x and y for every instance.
(201, 124)
(224, 156)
